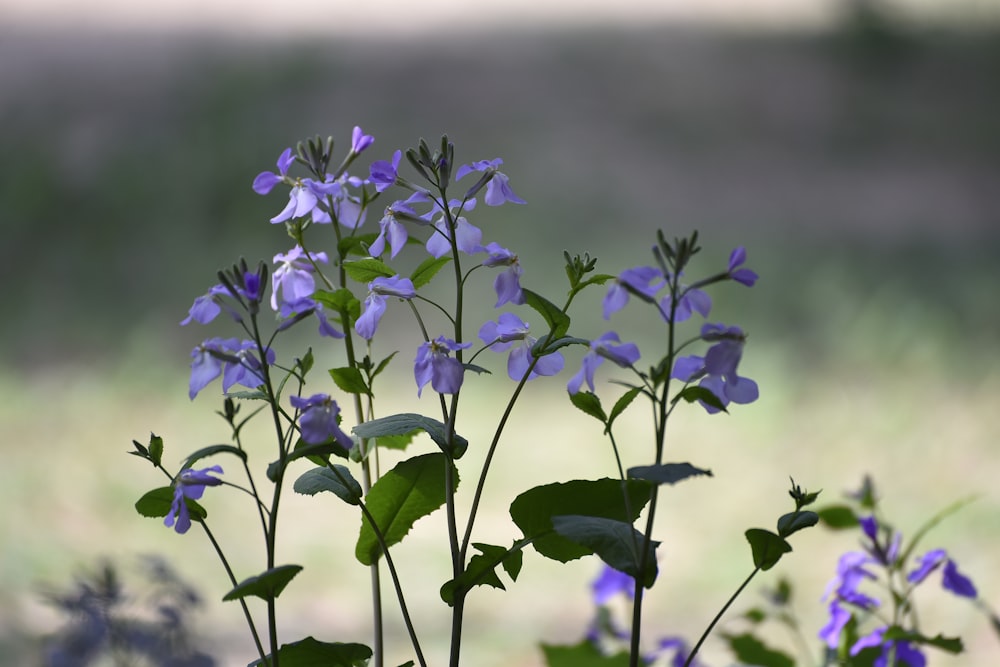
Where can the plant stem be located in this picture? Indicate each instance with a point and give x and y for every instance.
(711, 626)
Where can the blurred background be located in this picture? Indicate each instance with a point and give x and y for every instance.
(851, 146)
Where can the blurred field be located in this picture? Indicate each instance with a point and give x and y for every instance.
(858, 166)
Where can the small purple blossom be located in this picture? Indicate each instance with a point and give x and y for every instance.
(468, 237)
(293, 277)
(293, 312)
(302, 201)
(434, 364)
(318, 420)
(718, 368)
(507, 284)
(206, 307)
(905, 652)
(680, 649)
(360, 141)
(692, 300)
(643, 281)
(374, 306)
(839, 618)
(510, 332)
(742, 276)
(383, 174)
(189, 484)
(885, 554)
(391, 229)
(229, 357)
(611, 582)
(951, 579)
(266, 180)
(498, 188)
(607, 346)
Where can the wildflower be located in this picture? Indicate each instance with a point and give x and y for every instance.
(293, 278)
(839, 618)
(498, 188)
(607, 346)
(206, 307)
(392, 229)
(383, 174)
(507, 284)
(905, 652)
(433, 364)
(508, 332)
(951, 578)
(718, 368)
(743, 276)
(360, 141)
(378, 289)
(189, 484)
(231, 358)
(467, 236)
(643, 281)
(609, 583)
(295, 311)
(318, 420)
(681, 651)
(266, 180)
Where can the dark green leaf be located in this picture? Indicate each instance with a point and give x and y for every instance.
(694, 393)
(751, 651)
(406, 423)
(754, 615)
(382, 364)
(267, 585)
(615, 542)
(317, 453)
(155, 449)
(249, 395)
(356, 245)
(533, 510)
(589, 403)
(557, 320)
(212, 450)
(622, 403)
(793, 522)
(481, 569)
(312, 653)
(949, 644)
(584, 654)
(667, 473)
(367, 270)
(428, 268)
(350, 380)
(305, 364)
(339, 301)
(548, 344)
(344, 486)
(767, 547)
(411, 490)
(838, 517)
(156, 504)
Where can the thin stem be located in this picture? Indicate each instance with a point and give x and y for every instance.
(711, 626)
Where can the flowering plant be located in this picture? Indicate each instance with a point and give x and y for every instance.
(327, 208)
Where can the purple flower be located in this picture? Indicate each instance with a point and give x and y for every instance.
(293, 278)
(680, 648)
(498, 188)
(605, 347)
(692, 300)
(507, 284)
(378, 289)
(851, 573)
(743, 276)
(302, 200)
(318, 420)
(885, 554)
(509, 331)
(383, 174)
(609, 583)
(906, 653)
(294, 312)
(266, 180)
(391, 229)
(643, 281)
(206, 307)
(230, 357)
(839, 618)
(189, 484)
(468, 237)
(951, 578)
(718, 368)
(433, 364)
(360, 141)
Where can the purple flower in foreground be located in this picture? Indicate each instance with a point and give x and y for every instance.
(302, 200)
(643, 281)
(189, 484)
(718, 368)
(951, 578)
(507, 284)
(293, 277)
(839, 618)
(851, 573)
(498, 188)
(905, 652)
(433, 364)
(383, 174)
(609, 583)
(360, 141)
(510, 331)
(608, 346)
(743, 276)
(229, 357)
(206, 307)
(391, 229)
(468, 237)
(378, 289)
(318, 420)
(266, 180)
(294, 312)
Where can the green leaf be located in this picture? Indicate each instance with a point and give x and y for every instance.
(212, 450)
(481, 569)
(838, 517)
(751, 651)
(356, 245)
(616, 543)
(312, 653)
(267, 585)
(548, 344)
(428, 268)
(533, 510)
(584, 654)
(557, 320)
(589, 403)
(767, 547)
(350, 380)
(317, 453)
(406, 423)
(949, 644)
(305, 364)
(411, 490)
(344, 486)
(622, 403)
(156, 504)
(694, 393)
(155, 449)
(339, 301)
(793, 522)
(382, 364)
(667, 473)
(367, 270)
(398, 441)
(249, 395)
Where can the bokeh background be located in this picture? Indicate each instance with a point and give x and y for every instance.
(852, 147)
